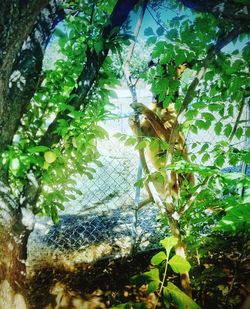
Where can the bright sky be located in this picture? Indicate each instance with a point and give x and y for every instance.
(149, 21)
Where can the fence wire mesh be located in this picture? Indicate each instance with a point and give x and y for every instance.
(102, 221)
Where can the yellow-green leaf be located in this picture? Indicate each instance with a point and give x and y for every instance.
(153, 274)
(179, 264)
(158, 258)
(169, 242)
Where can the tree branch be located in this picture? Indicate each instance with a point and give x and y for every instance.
(126, 67)
(85, 81)
(242, 104)
(222, 41)
(91, 69)
(156, 20)
(233, 11)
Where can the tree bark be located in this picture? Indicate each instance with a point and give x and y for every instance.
(13, 239)
(21, 66)
(26, 28)
(13, 288)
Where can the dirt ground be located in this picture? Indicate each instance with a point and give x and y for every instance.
(221, 280)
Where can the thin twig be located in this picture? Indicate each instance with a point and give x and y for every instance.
(242, 104)
(156, 20)
(222, 41)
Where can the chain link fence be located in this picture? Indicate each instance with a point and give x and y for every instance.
(102, 221)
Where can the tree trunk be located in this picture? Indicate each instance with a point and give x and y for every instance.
(13, 253)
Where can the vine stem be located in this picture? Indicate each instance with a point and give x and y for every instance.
(162, 281)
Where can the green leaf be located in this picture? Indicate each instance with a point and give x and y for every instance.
(158, 258)
(139, 183)
(205, 158)
(248, 132)
(54, 214)
(204, 148)
(151, 40)
(154, 145)
(160, 31)
(98, 46)
(141, 145)
(168, 243)
(230, 111)
(167, 101)
(38, 149)
(130, 141)
(239, 133)
(159, 49)
(173, 34)
(246, 157)
(59, 33)
(49, 156)
(180, 299)
(202, 124)
(148, 31)
(199, 105)
(218, 128)
(194, 129)
(179, 264)
(153, 286)
(208, 116)
(153, 274)
(236, 219)
(219, 161)
(228, 130)
(60, 206)
(89, 175)
(209, 75)
(191, 114)
(180, 58)
(215, 107)
(100, 132)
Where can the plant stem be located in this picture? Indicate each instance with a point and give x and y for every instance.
(242, 104)
(162, 281)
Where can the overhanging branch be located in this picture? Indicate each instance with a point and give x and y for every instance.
(91, 68)
(222, 41)
(84, 84)
(236, 12)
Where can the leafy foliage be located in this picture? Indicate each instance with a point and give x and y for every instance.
(57, 166)
(219, 201)
(156, 279)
